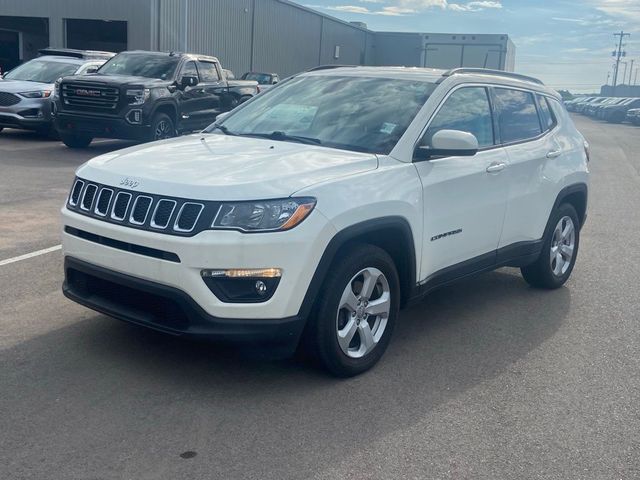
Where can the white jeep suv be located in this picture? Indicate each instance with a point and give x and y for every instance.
(311, 214)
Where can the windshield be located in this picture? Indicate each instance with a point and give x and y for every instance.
(161, 67)
(261, 78)
(362, 114)
(41, 71)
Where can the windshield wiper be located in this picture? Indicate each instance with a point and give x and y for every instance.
(225, 130)
(278, 135)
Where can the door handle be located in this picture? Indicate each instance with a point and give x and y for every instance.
(496, 167)
(554, 154)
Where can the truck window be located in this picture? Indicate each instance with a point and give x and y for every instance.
(208, 71)
(190, 70)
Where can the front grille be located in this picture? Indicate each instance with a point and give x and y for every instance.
(170, 215)
(92, 96)
(8, 99)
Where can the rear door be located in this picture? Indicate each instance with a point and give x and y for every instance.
(527, 127)
(464, 197)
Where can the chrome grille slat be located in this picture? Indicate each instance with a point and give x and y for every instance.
(188, 216)
(104, 201)
(88, 197)
(140, 209)
(162, 213)
(76, 190)
(119, 206)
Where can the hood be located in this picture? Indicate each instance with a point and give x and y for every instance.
(118, 80)
(19, 86)
(220, 167)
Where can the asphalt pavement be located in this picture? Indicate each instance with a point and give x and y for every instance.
(487, 379)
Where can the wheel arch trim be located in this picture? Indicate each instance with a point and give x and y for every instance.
(352, 233)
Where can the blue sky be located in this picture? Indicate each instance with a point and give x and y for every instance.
(566, 43)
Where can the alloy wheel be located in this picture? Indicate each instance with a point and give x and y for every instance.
(562, 246)
(363, 312)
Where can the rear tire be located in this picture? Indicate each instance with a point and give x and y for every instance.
(76, 141)
(559, 250)
(162, 127)
(354, 318)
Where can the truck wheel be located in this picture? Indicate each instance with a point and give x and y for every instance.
(76, 141)
(162, 127)
(559, 251)
(356, 312)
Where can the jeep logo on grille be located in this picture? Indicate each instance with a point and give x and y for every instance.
(127, 182)
(83, 92)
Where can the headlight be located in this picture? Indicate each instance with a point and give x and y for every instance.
(266, 216)
(56, 87)
(137, 96)
(36, 94)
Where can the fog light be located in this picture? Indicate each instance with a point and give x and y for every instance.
(243, 273)
(242, 285)
(261, 288)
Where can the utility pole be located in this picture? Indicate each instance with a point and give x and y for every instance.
(635, 79)
(624, 73)
(618, 54)
(631, 71)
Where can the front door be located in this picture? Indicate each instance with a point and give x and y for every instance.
(464, 198)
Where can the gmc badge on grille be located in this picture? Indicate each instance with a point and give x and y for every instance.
(83, 92)
(127, 182)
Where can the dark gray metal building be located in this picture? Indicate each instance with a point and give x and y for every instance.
(261, 35)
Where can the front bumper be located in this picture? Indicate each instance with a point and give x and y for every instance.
(99, 126)
(297, 252)
(28, 114)
(168, 309)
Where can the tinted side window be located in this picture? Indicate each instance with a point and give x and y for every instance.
(190, 70)
(546, 116)
(466, 109)
(208, 71)
(517, 115)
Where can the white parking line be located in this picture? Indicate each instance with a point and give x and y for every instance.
(30, 255)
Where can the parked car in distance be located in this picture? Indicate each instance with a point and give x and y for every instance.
(307, 217)
(25, 93)
(265, 80)
(617, 113)
(633, 116)
(573, 104)
(145, 96)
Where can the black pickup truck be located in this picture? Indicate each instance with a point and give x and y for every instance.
(145, 96)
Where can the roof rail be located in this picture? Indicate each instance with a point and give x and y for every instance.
(486, 71)
(329, 67)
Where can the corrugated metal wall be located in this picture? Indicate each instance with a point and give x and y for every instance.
(287, 39)
(260, 35)
(135, 12)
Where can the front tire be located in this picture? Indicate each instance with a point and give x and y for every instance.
(559, 250)
(356, 313)
(162, 127)
(76, 141)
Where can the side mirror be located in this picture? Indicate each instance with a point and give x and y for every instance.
(91, 70)
(448, 143)
(274, 81)
(188, 81)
